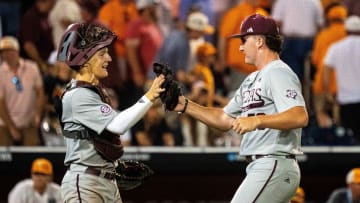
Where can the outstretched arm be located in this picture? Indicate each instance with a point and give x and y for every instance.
(214, 117)
(129, 117)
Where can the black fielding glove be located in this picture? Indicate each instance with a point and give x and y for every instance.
(170, 97)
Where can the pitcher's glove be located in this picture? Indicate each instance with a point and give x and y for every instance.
(131, 174)
(170, 97)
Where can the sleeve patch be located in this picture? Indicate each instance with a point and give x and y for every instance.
(291, 94)
(105, 109)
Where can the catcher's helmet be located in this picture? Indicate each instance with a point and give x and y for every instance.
(81, 41)
(42, 165)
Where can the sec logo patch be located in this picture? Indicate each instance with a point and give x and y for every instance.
(105, 109)
(291, 94)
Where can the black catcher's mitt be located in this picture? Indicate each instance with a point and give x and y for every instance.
(170, 97)
(131, 174)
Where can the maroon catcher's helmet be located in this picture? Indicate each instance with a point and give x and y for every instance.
(81, 41)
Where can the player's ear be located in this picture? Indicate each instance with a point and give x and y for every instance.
(260, 41)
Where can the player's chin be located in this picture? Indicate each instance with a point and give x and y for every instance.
(104, 73)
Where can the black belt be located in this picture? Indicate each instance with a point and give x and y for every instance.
(100, 173)
(251, 158)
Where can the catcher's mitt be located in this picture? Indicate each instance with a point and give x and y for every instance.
(131, 174)
(170, 97)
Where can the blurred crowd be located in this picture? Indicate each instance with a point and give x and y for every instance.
(192, 37)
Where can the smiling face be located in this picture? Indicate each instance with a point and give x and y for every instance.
(99, 62)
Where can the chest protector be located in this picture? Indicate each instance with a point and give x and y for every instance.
(107, 144)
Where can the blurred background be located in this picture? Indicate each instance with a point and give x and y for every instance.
(192, 162)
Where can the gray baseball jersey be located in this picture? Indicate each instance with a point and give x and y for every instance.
(272, 90)
(90, 111)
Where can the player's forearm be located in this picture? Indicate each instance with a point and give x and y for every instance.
(127, 118)
(295, 117)
(214, 117)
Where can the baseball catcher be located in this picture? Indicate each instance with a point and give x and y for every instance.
(170, 96)
(90, 125)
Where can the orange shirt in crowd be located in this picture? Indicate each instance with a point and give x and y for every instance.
(208, 78)
(116, 16)
(323, 40)
(230, 24)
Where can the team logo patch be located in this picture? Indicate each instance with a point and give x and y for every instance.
(291, 94)
(105, 109)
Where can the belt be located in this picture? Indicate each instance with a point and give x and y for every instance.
(100, 173)
(251, 158)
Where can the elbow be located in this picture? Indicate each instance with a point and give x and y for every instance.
(303, 120)
(302, 117)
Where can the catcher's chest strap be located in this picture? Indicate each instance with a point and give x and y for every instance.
(96, 88)
(81, 134)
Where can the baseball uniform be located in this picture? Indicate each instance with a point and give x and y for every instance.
(272, 90)
(90, 111)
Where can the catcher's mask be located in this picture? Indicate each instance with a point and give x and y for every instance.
(81, 41)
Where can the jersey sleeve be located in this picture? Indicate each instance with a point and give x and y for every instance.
(233, 108)
(285, 89)
(90, 111)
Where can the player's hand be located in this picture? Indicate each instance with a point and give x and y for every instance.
(155, 89)
(181, 104)
(243, 125)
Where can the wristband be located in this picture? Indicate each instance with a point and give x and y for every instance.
(185, 106)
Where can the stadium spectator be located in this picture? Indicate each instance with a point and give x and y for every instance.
(176, 47)
(205, 56)
(89, 10)
(299, 196)
(299, 22)
(176, 52)
(35, 33)
(195, 132)
(153, 130)
(343, 57)
(335, 15)
(54, 83)
(203, 6)
(21, 96)
(40, 188)
(116, 14)
(350, 194)
(143, 39)
(64, 13)
(353, 6)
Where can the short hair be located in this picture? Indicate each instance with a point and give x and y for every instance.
(274, 42)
